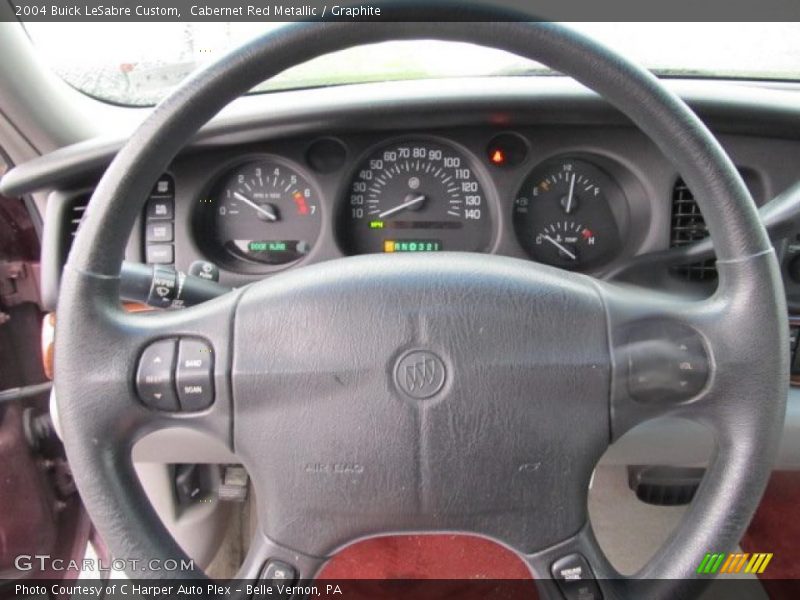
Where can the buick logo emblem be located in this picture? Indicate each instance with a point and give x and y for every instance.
(420, 374)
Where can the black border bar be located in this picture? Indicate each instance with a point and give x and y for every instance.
(401, 10)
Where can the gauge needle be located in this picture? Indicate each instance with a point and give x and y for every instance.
(407, 204)
(560, 247)
(263, 210)
(568, 207)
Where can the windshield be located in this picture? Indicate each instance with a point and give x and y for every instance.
(112, 61)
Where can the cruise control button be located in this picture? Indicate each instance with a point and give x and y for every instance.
(155, 383)
(575, 578)
(194, 375)
(278, 573)
(276, 570)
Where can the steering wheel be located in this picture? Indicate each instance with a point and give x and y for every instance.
(450, 392)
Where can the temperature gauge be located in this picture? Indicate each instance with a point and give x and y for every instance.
(567, 240)
(562, 215)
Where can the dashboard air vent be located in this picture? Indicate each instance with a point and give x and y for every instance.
(75, 215)
(73, 208)
(688, 225)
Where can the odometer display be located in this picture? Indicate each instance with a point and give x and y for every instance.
(412, 246)
(421, 193)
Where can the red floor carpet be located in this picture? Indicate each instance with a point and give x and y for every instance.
(776, 529)
(465, 567)
(430, 567)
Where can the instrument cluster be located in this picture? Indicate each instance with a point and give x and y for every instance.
(420, 193)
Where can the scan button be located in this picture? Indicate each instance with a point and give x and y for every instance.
(194, 375)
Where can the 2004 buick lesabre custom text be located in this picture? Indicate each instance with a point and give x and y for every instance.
(101, 10)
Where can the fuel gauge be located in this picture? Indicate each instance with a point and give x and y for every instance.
(563, 216)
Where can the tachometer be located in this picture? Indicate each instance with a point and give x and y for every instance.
(563, 216)
(415, 196)
(263, 213)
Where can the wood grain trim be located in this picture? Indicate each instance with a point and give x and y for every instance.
(48, 341)
(49, 332)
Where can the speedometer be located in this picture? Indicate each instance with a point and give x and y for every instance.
(415, 196)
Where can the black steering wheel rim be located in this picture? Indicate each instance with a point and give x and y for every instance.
(750, 292)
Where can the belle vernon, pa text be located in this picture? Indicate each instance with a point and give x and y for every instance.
(188, 591)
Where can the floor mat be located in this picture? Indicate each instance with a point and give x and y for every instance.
(430, 566)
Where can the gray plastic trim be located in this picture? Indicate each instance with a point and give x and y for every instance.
(727, 107)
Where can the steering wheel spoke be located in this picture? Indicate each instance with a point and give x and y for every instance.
(103, 408)
(159, 369)
(574, 568)
(579, 568)
(661, 353)
(685, 357)
(270, 563)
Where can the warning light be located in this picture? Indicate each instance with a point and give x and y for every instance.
(507, 150)
(498, 158)
(587, 233)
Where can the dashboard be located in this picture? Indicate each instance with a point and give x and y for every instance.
(522, 193)
(536, 169)
(573, 198)
(580, 198)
